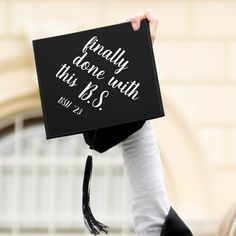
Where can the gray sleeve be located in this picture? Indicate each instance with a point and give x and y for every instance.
(142, 162)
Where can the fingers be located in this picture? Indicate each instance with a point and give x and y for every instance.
(136, 20)
(153, 22)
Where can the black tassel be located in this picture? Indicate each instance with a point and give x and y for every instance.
(91, 223)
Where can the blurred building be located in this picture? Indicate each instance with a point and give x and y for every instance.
(40, 180)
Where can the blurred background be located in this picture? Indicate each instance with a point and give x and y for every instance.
(41, 180)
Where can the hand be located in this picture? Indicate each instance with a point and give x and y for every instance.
(137, 18)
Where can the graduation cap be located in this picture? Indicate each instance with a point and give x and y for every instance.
(101, 83)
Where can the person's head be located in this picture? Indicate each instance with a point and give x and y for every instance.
(228, 225)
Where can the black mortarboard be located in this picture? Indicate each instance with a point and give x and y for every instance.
(100, 82)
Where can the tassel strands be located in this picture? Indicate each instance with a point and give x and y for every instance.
(91, 223)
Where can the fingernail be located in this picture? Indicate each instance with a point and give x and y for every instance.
(134, 26)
